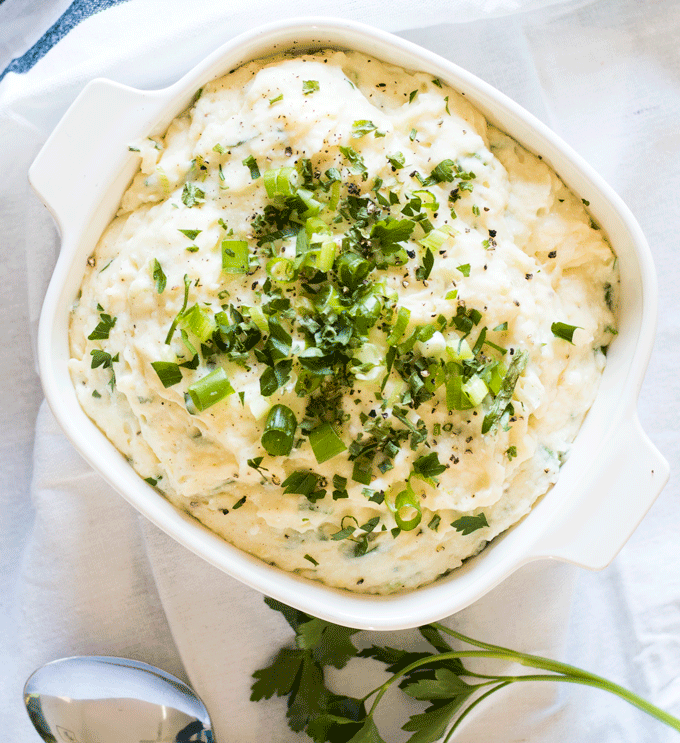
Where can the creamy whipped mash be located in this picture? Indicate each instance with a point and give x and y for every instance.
(343, 321)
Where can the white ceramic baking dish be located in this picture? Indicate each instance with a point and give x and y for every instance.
(614, 473)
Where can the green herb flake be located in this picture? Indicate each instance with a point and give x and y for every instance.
(192, 195)
(469, 524)
(159, 277)
(251, 164)
(278, 98)
(103, 328)
(191, 234)
(310, 86)
(168, 372)
(511, 452)
(397, 160)
(311, 559)
(412, 95)
(464, 269)
(362, 127)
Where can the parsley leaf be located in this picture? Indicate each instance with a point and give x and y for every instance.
(362, 127)
(101, 332)
(467, 524)
(192, 195)
(429, 465)
(423, 272)
(357, 165)
(159, 277)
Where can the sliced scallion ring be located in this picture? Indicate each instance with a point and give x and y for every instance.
(352, 269)
(279, 431)
(407, 509)
(282, 269)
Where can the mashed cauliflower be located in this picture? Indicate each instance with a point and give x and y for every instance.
(343, 321)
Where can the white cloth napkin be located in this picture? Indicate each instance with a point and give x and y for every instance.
(82, 573)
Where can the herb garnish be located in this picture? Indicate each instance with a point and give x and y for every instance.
(564, 331)
(439, 677)
(192, 195)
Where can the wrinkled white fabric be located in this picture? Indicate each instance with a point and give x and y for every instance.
(83, 573)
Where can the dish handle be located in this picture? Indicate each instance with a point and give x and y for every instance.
(78, 155)
(632, 475)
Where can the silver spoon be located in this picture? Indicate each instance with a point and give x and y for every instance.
(98, 699)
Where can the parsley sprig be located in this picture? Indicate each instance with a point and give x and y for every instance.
(439, 678)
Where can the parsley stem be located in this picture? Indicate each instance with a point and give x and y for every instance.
(471, 706)
(566, 673)
(560, 672)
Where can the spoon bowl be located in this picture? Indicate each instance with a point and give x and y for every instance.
(100, 699)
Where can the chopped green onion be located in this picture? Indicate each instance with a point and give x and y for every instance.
(434, 239)
(464, 269)
(399, 328)
(430, 202)
(198, 322)
(475, 389)
(326, 256)
(502, 399)
(352, 269)
(278, 98)
(279, 431)
(335, 196)
(257, 316)
(168, 372)
(310, 86)
(316, 226)
(191, 234)
(251, 164)
(325, 442)
(564, 331)
(313, 207)
(407, 511)
(282, 269)
(210, 389)
(234, 256)
(281, 182)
